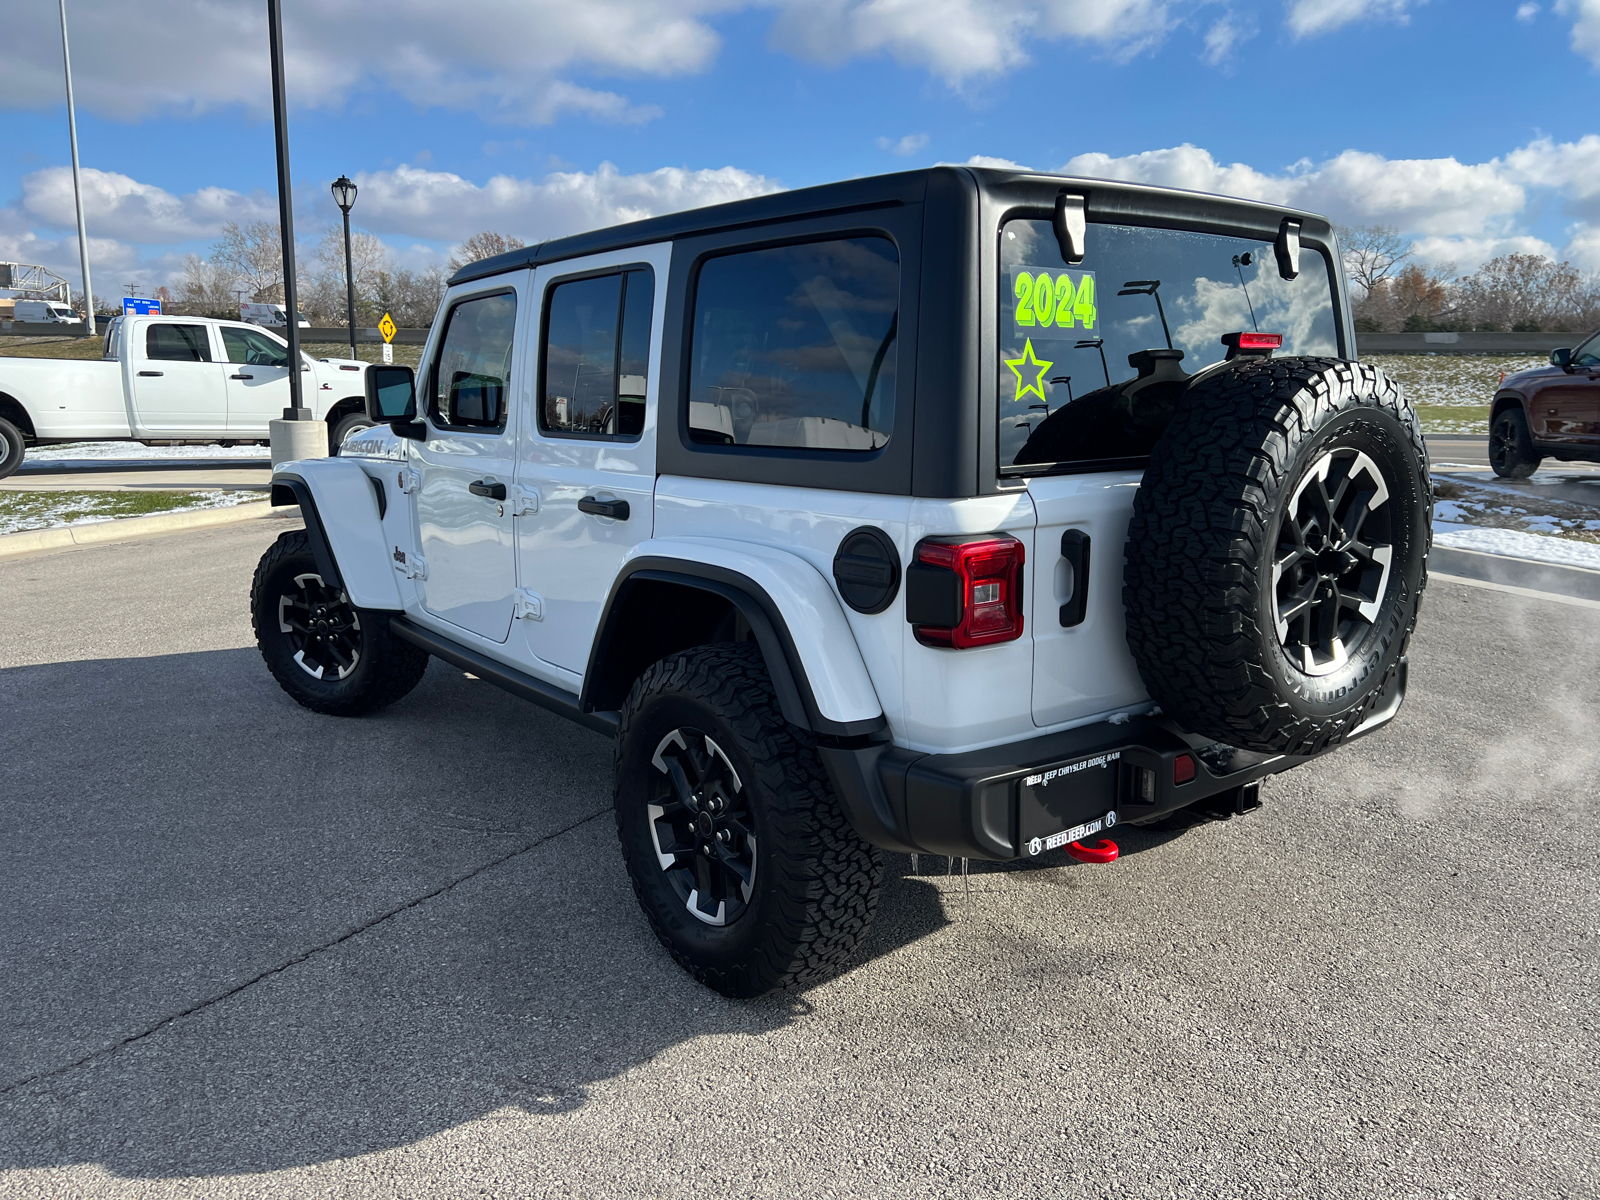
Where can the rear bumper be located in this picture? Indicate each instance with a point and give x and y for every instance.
(994, 803)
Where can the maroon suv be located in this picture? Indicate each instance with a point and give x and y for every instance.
(1549, 411)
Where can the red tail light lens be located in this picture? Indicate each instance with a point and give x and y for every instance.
(1260, 341)
(1182, 769)
(965, 592)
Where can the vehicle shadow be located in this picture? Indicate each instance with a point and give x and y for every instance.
(241, 937)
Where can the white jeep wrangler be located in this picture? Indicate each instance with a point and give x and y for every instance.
(829, 507)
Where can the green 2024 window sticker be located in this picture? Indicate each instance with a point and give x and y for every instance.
(1053, 299)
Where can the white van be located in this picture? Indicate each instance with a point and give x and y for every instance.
(44, 312)
(268, 314)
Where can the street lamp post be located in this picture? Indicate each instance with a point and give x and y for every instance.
(344, 195)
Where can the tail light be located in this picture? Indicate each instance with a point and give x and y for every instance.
(966, 591)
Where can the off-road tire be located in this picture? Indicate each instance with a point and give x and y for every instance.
(1201, 584)
(1511, 451)
(385, 669)
(816, 883)
(12, 448)
(343, 428)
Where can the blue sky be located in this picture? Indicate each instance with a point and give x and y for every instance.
(1470, 126)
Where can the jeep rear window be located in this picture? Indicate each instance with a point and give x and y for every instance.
(793, 346)
(1088, 376)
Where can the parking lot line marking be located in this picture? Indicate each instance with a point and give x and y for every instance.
(1530, 593)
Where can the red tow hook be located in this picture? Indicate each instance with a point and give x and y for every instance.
(1103, 851)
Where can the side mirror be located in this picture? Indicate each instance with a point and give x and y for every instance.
(391, 394)
(1562, 359)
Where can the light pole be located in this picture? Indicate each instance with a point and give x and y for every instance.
(344, 195)
(297, 435)
(77, 186)
(280, 122)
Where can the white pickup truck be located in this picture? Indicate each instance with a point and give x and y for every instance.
(170, 381)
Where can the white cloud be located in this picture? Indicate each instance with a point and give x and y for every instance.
(1585, 26)
(1467, 254)
(1227, 34)
(504, 58)
(960, 40)
(121, 207)
(1527, 12)
(1435, 195)
(512, 60)
(906, 146)
(1310, 17)
(415, 202)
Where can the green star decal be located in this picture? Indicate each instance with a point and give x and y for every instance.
(1029, 361)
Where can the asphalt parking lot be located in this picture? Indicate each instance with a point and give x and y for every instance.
(251, 951)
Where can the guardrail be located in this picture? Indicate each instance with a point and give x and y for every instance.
(1536, 345)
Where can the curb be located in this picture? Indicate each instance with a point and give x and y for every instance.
(88, 533)
(1522, 573)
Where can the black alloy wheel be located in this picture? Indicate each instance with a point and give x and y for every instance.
(1332, 562)
(1511, 452)
(701, 827)
(322, 628)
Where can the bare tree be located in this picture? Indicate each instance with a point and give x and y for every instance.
(482, 245)
(208, 289)
(1372, 253)
(253, 254)
(1525, 292)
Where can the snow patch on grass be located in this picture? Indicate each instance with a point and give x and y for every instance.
(20, 511)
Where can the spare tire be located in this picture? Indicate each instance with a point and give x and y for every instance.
(1278, 552)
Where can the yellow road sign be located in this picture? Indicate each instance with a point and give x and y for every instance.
(388, 328)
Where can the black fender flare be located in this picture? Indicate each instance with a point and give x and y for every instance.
(288, 489)
(604, 686)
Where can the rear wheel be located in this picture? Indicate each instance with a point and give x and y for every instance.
(329, 655)
(740, 855)
(12, 448)
(1511, 451)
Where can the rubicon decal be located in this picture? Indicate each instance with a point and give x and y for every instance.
(1054, 773)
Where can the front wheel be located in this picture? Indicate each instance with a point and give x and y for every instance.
(331, 656)
(12, 448)
(1511, 451)
(739, 852)
(344, 427)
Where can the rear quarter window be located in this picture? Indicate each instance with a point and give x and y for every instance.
(1095, 357)
(793, 346)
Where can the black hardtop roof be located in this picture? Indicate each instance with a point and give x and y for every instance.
(1107, 199)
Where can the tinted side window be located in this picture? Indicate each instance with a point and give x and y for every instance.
(1588, 354)
(597, 355)
(472, 373)
(253, 349)
(793, 346)
(113, 347)
(177, 343)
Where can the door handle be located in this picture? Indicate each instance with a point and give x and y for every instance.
(241, 376)
(484, 487)
(617, 510)
(150, 374)
(1075, 549)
